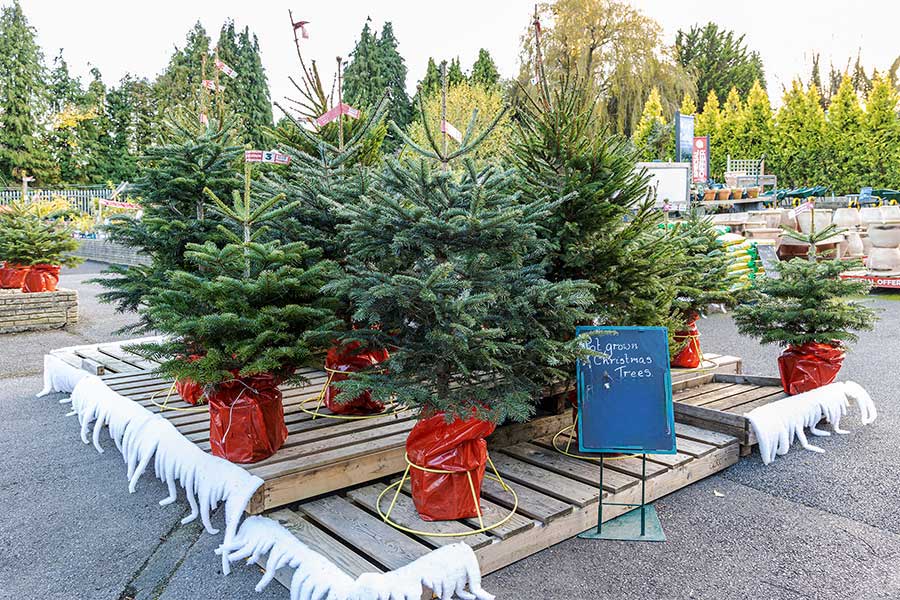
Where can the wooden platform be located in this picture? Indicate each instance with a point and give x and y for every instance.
(320, 455)
(558, 498)
(718, 402)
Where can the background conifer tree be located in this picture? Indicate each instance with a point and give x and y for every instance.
(484, 71)
(23, 98)
(191, 158)
(607, 232)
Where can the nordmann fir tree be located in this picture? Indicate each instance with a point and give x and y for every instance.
(245, 307)
(324, 172)
(607, 232)
(192, 157)
(446, 268)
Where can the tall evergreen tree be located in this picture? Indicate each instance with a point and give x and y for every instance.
(255, 103)
(484, 71)
(455, 73)
(688, 106)
(190, 158)
(393, 71)
(709, 118)
(607, 233)
(843, 140)
(719, 59)
(882, 135)
(431, 83)
(179, 84)
(650, 135)
(364, 81)
(798, 137)
(23, 97)
(730, 126)
(756, 133)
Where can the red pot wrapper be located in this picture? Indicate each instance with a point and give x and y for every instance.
(809, 366)
(41, 278)
(349, 359)
(12, 277)
(246, 419)
(459, 447)
(690, 356)
(189, 390)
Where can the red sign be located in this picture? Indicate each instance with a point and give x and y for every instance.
(335, 112)
(876, 281)
(220, 65)
(700, 159)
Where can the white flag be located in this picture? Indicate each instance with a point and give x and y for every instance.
(452, 131)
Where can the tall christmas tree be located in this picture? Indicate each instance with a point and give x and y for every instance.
(447, 269)
(607, 232)
(192, 157)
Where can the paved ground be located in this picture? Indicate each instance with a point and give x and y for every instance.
(808, 526)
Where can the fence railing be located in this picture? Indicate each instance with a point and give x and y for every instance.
(81, 198)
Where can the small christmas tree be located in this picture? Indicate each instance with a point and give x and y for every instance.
(29, 238)
(192, 156)
(807, 310)
(703, 276)
(807, 303)
(244, 308)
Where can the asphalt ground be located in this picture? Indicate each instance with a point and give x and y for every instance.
(808, 526)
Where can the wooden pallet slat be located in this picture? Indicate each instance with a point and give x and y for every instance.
(370, 535)
(346, 559)
(405, 515)
(585, 471)
(545, 481)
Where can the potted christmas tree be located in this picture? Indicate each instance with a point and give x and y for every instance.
(806, 308)
(255, 310)
(446, 268)
(33, 249)
(190, 157)
(703, 281)
(325, 173)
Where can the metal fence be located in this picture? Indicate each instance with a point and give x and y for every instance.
(83, 199)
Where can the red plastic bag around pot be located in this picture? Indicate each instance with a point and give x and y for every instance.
(809, 366)
(459, 447)
(41, 278)
(246, 419)
(690, 356)
(189, 390)
(349, 359)
(12, 277)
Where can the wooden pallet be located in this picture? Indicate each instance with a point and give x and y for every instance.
(104, 359)
(557, 494)
(320, 455)
(719, 401)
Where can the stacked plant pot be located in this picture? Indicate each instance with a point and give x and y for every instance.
(885, 238)
(848, 218)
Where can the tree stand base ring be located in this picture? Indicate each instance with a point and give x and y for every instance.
(391, 408)
(570, 430)
(398, 485)
(165, 404)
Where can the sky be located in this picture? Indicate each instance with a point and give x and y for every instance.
(120, 36)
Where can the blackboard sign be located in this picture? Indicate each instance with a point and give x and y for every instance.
(625, 396)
